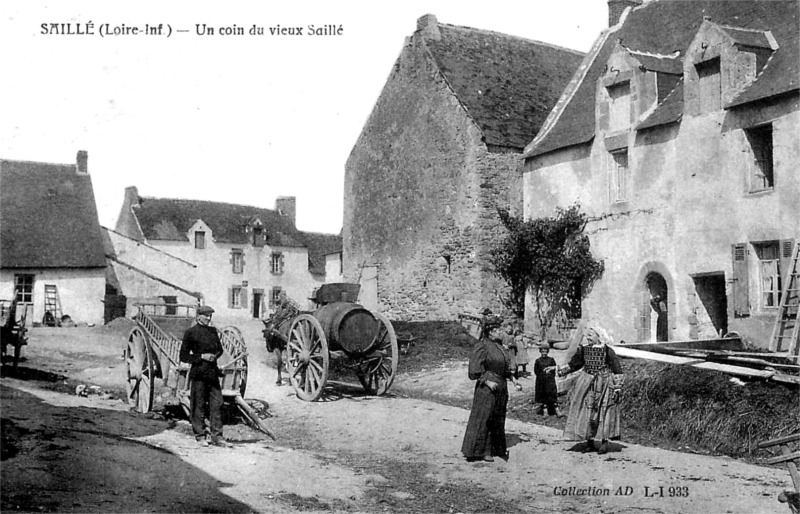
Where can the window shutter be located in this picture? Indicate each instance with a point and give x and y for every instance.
(230, 298)
(740, 285)
(244, 294)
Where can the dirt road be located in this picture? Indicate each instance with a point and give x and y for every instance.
(348, 452)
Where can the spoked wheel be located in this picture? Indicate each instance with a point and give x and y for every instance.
(307, 357)
(140, 369)
(377, 370)
(234, 345)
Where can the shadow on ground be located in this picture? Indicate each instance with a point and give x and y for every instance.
(84, 459)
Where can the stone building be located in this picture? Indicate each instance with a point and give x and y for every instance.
(678, 137)
(237, 258)
(50, 240)
(440, 152)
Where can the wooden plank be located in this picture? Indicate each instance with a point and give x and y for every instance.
(782, 458)
(697, 363)
(780, 440)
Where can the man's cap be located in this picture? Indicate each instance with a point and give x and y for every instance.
(204, 309)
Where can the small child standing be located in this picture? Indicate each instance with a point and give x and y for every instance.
(546, 392)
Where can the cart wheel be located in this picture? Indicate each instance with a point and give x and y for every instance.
(376, 372)
(234, 345)
(307, 357)
(140, 372)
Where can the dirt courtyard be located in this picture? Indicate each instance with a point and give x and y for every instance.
(344, 453)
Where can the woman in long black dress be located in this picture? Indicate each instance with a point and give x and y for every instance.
(490, 366)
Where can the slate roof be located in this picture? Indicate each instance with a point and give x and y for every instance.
(49, 217)
(507, 84)
(169, 219)
(664, 26)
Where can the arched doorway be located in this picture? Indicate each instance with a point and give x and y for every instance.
(656, 286)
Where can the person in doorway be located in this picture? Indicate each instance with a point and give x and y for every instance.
(594, 409)
(491, 367)
(659, 305)
(546, 392)
(201, 348)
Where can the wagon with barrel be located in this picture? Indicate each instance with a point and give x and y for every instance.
(152, 358)
(338, 328)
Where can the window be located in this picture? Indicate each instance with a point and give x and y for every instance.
(275, 297)
(709, 85)
(237, 260)
(199, 240)
(236, 297)
(258, 236)
(769, 277)
(23, 288)
(761, 171)
(619, 106)
(276, 263)
(618, 177)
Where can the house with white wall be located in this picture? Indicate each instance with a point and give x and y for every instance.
(678, 138)
(237, 258)
(51, 247)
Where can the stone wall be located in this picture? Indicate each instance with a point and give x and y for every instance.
(421, 197)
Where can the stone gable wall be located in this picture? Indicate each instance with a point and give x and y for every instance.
(421, 191)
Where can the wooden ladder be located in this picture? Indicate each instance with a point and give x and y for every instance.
(787, 329)
(51, 302)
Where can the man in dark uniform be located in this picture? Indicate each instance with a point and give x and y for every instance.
(201, 348)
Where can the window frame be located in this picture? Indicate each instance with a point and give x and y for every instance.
(768, 257)
(276, 263)
(236, 297)
(22, 289)
(237, 260)
(617, 180)
(761, 166)
(199, 239)
(274, 296)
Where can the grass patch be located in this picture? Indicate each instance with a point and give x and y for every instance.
(674, 407)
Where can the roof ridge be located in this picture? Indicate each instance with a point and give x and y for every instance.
(205, 201)
(40, 162)
(675, 55)
(535, 41)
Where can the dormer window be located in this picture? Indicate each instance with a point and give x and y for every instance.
(258, 236)
(709, 84)
(619, 106)
(200, 240)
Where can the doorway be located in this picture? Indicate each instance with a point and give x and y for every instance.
(659, 301)
(258, 298)
(711, 293)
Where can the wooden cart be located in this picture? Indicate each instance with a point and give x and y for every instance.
(152, 356)
(12, 325)
(339, 328)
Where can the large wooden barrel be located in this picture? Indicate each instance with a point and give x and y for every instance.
(348, 326)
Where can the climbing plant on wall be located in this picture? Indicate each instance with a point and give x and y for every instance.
(549, 257)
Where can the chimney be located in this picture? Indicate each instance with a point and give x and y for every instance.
(83, 161)
(287, 206)
(429, 27)
(617, 7)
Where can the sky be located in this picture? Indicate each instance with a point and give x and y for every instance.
(229, 118)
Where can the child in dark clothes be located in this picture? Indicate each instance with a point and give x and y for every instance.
(546, 392)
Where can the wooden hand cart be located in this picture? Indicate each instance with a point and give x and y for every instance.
(340, 329)
(152, 356)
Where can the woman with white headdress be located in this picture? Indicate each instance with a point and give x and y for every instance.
(594, 412)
